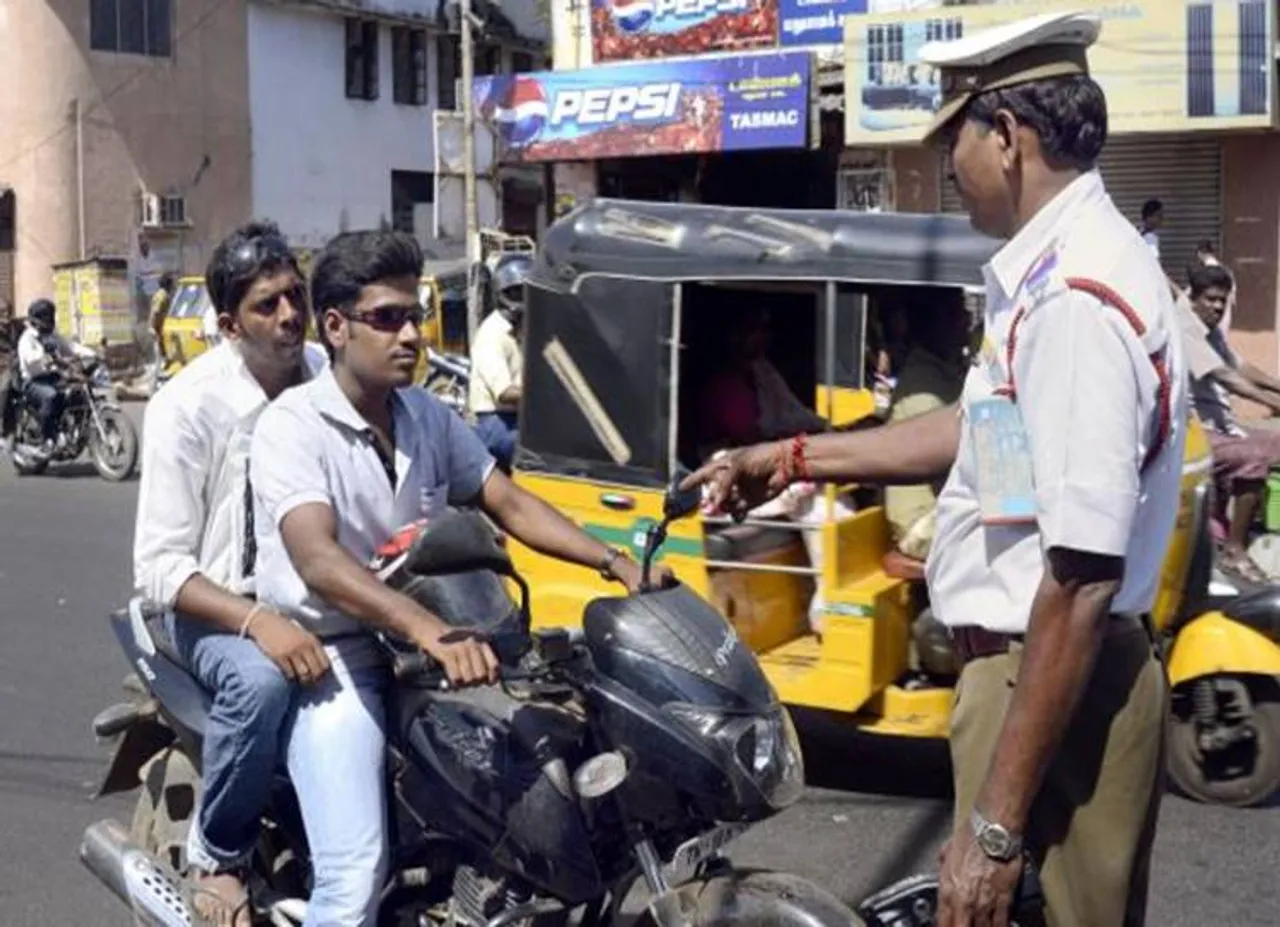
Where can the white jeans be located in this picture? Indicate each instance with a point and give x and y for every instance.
(336, 751)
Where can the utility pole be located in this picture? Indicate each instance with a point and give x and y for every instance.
(470, 203)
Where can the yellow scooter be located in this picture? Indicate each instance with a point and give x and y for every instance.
(1223, 657)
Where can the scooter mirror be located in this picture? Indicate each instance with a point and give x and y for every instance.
(680, 502)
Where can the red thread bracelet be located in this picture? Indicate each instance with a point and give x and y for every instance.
(800, 463)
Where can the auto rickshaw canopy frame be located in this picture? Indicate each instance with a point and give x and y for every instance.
(602, 333)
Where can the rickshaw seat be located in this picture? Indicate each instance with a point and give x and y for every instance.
(898, 565)
(744, 543)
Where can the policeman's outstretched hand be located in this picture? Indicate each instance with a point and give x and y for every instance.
(467, 660)
(740, 480)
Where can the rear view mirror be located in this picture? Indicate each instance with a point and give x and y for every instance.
(678, 503)
(457, 542)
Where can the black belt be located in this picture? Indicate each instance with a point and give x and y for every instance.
(973, 643)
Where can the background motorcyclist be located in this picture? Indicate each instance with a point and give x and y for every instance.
(43, 356)
(496, 365)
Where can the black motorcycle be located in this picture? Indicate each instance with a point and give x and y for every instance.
(92, 420)
(631, 751)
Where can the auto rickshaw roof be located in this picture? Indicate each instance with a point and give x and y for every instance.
(675, 242)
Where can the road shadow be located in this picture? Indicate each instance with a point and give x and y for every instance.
(838, 756)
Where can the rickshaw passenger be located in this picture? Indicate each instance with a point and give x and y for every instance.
(930, 377)
(749, 401)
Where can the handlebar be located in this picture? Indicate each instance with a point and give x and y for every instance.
(420, 668)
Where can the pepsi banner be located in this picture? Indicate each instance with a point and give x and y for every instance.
(622, 30)
(661, 107)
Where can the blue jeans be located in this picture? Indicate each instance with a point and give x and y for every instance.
(336, 752)
(251, 704)
(499, 433)
(43, 393)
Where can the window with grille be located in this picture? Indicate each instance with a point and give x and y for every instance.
(448, 70)
(362, 59)
(409, 189)
(132, 27)
(409, 66)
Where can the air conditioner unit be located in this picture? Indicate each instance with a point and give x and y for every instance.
(149, 211)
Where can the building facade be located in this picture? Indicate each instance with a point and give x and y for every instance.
(148, 129)
(126, 134)
(343, 98)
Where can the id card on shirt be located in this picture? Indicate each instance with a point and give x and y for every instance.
(1002, 455)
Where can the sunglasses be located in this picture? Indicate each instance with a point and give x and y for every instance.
(389, 318)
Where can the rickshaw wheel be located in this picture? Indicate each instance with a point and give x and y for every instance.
(1238, 774)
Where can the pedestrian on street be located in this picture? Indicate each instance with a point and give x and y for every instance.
(1064, 454)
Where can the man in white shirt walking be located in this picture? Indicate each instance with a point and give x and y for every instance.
(194, 551)
(339, 465)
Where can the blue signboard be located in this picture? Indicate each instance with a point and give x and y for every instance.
(655, 107)
(815, 22)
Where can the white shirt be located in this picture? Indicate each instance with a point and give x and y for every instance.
(192, 512)
(33, 357)
(1152, 239)
(1086, 391)
(311, 445)
(496, 364)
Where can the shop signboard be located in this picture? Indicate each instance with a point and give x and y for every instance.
(1165, 66)
(623, 30)
(815, 22)
(693, 106)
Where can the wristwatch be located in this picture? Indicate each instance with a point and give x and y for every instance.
(994, 839)
(607, 562)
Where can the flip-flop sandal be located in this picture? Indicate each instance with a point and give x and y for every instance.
(209, 908)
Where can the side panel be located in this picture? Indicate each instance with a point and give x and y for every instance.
(1214, 644)
(616, 514)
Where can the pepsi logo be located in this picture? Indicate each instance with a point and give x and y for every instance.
(521, 114)
(632, 16)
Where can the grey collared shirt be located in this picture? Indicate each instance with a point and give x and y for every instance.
(312, 446)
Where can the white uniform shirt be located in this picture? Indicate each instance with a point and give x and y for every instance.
(311, 445)
(496, 364)
(34, 359)
(192, 511)
(1086, 391)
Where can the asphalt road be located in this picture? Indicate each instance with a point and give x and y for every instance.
(882, 811)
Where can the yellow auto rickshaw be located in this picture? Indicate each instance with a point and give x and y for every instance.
(613, 309)
(185, 332)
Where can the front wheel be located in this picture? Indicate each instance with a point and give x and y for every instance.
(744, 898)
(114, 446)
(1224, 743)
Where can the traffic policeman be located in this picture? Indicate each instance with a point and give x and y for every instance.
(1064, 457)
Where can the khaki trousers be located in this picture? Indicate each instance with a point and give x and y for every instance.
(1092, 825)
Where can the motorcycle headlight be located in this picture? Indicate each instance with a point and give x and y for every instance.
(100, 377)
(764, 747)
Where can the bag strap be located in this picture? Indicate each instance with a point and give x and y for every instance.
(1164, 390)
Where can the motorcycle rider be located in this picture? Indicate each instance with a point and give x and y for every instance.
(339, 464)
(194, 551)
(496, 363)
(43, 356)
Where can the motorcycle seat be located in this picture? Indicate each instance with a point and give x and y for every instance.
(158, 628)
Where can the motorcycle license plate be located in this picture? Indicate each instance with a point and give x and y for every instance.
(693, 853)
